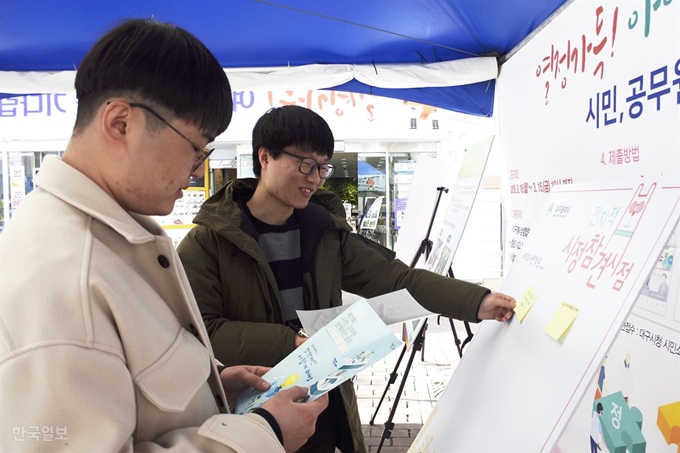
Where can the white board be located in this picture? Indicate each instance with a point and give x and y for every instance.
(429, 174)
(461, 179)
(447, 237)
(563, 123)
(516, 388)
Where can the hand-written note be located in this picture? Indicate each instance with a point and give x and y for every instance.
(525, 303)
(559, 324)
(533, 260)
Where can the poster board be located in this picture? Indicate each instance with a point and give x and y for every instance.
(592, 248)
(429, 174)
(370, 219)
(601, 119)
(462, 179)
(458, 210)
(451, 217)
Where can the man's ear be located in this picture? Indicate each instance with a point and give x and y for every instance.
(115, 122)
(263, 156)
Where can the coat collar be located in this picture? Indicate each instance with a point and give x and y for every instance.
(76, 189)
(223, 211)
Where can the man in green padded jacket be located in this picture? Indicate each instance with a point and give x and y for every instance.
(268, 246)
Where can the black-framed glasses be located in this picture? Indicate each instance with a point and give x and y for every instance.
(201, 153)
(309, 165)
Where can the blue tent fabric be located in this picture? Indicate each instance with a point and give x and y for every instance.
(36, 35)
(474, 99)
(366, 169)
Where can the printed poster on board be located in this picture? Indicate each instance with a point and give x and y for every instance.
(588, 257)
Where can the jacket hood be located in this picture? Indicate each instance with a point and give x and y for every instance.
(224, 208)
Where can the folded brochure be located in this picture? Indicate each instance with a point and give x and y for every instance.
(393, 308)
(351, 342)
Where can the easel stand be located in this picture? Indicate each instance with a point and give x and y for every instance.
(419, 342)
(389, 424)
(459, 345)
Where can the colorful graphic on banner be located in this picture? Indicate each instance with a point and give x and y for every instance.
(654, 295)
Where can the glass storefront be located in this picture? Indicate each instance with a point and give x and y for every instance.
(374, 187)
(402, 166)
(372, 197)
(373, 184)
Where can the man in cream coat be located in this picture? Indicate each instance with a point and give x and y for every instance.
(102, 347)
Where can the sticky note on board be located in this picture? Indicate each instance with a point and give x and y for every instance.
(559, 324)
(525, 303)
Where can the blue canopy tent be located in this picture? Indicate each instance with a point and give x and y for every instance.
(366, 169)
(38, 37)
(369, 177)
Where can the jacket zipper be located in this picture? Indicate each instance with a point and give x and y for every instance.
(274, 302)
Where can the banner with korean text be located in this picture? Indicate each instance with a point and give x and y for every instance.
(595, 97)
(51, 116)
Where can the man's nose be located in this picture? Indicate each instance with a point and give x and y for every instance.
(315, 176)
(198, 172)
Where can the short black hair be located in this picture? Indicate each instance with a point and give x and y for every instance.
(156, 63)
(599, 408)
(291, 125)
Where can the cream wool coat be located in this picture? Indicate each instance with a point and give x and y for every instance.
(100, 334)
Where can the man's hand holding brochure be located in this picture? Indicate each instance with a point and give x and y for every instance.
(354, 338)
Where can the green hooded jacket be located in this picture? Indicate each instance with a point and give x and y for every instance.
(238, 296)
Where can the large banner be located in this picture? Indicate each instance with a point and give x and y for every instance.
(595, 96)
(50, 116)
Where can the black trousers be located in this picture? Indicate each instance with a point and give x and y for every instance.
(332, 430)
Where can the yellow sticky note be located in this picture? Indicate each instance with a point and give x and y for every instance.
(525, 303)
(560, 323)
